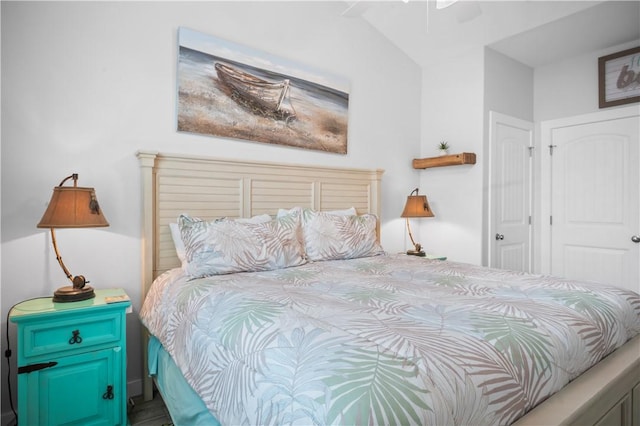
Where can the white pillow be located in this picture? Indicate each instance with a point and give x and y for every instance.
(332, 237)
(226, 246)
(179, 244)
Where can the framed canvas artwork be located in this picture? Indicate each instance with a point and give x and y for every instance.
(619, 78)
(231, 91)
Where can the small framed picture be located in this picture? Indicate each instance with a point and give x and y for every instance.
(619, 78)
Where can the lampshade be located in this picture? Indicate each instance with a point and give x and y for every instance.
(72, 207)
(417, 206)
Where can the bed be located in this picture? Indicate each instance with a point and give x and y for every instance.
(367, 338)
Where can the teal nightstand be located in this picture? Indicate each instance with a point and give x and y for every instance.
(72, 360)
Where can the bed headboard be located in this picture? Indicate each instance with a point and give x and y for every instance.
(212, 187)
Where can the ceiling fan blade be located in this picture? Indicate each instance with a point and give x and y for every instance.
(356, 9)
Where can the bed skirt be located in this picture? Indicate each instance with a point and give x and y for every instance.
(184, 405)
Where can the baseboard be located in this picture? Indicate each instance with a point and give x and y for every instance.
(134, 388)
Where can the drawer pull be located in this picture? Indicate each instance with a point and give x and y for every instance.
(109, 393)
(75, 338)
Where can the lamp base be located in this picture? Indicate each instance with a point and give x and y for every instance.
(416, 253)
(72, 294)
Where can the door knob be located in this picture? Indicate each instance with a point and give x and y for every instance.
(501, 237)
(636, 238)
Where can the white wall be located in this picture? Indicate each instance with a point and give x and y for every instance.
(508, 87)
(452, 110)
(87, 84)
(570, 87)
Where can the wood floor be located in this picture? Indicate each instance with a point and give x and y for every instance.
(149, 413)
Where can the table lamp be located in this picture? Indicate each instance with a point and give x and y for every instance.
(416, 206)
(72, 207)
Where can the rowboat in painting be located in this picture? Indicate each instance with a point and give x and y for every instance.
(271, 97)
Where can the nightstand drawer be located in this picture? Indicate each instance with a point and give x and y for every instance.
(74, 334)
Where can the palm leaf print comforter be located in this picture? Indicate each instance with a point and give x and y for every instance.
(390, 339)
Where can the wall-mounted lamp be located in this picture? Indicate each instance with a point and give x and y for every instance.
(416, 206)
(72, 207)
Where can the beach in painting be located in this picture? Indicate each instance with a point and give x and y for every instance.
(207, 106)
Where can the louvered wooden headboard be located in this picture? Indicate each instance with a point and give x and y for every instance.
(212, 187)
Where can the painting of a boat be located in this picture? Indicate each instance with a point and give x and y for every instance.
(235, 93)
(271, 97)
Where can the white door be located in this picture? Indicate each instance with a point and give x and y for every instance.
(510, 193)
(595, 216)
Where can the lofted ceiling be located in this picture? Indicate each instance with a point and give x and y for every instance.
(533, 32)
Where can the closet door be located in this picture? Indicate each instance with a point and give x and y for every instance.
(595, 216)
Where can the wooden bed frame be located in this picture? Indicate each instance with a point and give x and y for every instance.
(608, 393)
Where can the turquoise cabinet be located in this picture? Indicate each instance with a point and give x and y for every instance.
(72, 360)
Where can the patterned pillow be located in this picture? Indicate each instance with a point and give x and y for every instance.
(332, 237)
(177, 238)
(226, 246)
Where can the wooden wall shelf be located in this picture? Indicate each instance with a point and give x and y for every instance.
(445, 160)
